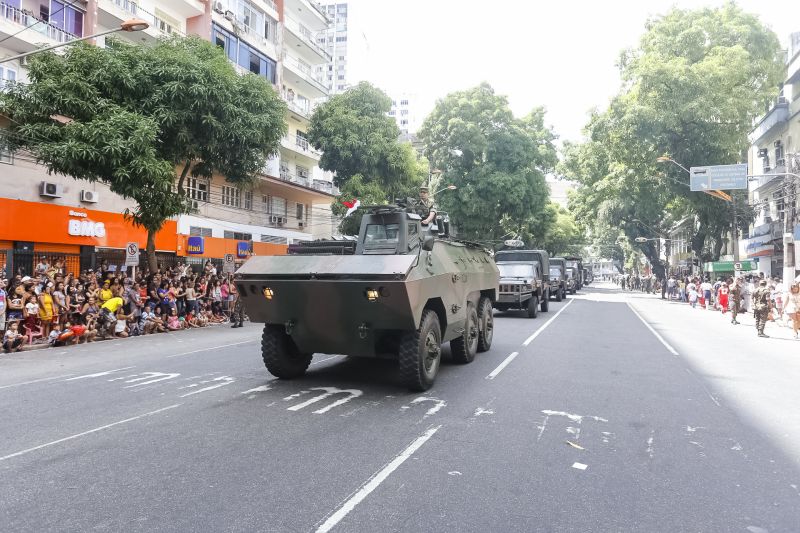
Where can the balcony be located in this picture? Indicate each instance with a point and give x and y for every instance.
(285, 175)
(111, 13)
(299, 106)
(300, 74)
(308, 13)
(185, 8)
(300, 146)
(775, 118)
(39, 32)
(302, 40)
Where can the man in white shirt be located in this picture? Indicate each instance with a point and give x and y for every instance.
(706, 287)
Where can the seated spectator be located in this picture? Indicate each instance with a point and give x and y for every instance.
(173, 322)
(121, 325)
(13, 340)
(158, 319)
(105, 293)
(66, 337)
(90, 310)
(3, 305)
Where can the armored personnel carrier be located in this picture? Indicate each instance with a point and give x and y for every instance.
(401, 291)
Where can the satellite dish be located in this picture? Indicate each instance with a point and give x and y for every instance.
(514, 243)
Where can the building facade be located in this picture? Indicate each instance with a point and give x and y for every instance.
(774, 163)
(334, 40)
(291, 200)
(403, 111)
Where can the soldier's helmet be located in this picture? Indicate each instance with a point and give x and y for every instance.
(763, 283)
(423, 189)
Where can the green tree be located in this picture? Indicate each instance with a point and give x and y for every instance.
(690, 90)
(142, 119)
(496, 161)
(563, 236)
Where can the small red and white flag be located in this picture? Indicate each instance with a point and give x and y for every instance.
(351, 206)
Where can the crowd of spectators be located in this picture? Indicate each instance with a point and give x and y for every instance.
(52, 306)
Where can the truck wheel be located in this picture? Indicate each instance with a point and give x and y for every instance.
(486, 321)
(533, 307)
(559, 292)
(546, 302)
(281, 356)
(464, 347)
(420, 353)
(563, 294)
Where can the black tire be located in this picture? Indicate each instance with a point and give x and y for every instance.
(420, 353)
(546, 302)
(533, 307)
(559, 292)
(464, 347)
(281, 356)
(486, 321)
(573, 292)
(563, 294)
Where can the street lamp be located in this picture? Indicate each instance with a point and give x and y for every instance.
(448, 188)
(667, 159)
(129, 26)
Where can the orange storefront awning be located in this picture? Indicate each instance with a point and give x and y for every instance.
(216, 248)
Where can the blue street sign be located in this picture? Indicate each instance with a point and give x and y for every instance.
(195, 245)
(718, 178)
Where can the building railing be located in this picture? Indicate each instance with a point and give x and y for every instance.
(306, 35)
(306, 70)
(33, 23)
(303, 106)
(300, 144)
(777, 115)
(162, 26)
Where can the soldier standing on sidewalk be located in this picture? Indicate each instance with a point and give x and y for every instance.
(761, 306)
(735, 298)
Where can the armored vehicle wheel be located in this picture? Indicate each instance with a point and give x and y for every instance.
(559, 293)
(546, 302)
(563, 294)
(486, 324)
(465, 347)
(533, 307)
(420, 353)
(281, 356)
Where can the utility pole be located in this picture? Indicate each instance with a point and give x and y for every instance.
(788, 219)
(735, 232)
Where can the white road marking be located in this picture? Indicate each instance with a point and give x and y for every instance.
(224, 380)
(98, 374)
(574, 418)
(541, 329)
(375, 481)
(36, 381)
(606, 436)
(454, 473)
(690, 429)
(329, 391)
(211, 348)
(579, 466)
(433, 410)
(151, 377)
(481, 411)
(123, 377)
(703, 385)
(574, 431)
(95, 430)
(667, 345)
(262, 388)
(650, 451)
(502, 365)
(542, 428)
(323, 360)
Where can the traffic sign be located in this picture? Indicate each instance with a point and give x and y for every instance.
(718, 177)
(737, 266)
(132, 254)
(229, 266)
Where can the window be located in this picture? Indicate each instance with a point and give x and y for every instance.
(303, 172)
(404, 111)
(299, 211)
(341, 58)
(7, 76)
(238, 236)
(6, 156)
(340, 87)
(341, 39)
(231, 196)
(245, 56)
(391, 113)
(340, 77)
(274, 240)
(197, 231)
(403, 102)
(270, 29)
(265, 203)
(278, 206)
(197, 189)
(248, 199)
(404, 122)
(63, 17)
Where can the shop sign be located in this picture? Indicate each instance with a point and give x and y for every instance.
(195, 245)
(242, 249)
(83, 227)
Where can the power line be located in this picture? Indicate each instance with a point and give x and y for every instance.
(69, 4)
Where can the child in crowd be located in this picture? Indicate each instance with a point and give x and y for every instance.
(693, 296)
(173, 323)
(13, 340)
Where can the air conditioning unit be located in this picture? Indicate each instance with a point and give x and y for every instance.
(273, 219)
(281, 220)
(24, 61)
(91, 197)
(230, 16)
(219, 7)
(776, 143)
(195, 205)
(51, 190)
(763, 152)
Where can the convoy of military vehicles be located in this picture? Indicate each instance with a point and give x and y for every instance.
(399, 290)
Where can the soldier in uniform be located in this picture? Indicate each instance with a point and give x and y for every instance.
(425, 207)
(735, 295)
(237, 315)
(761, 306)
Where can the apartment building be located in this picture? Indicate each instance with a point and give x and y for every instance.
(279, 209)
(404, 112)
(334, 40)
(774, 161)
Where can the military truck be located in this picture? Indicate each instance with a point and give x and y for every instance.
(572, 282)
(540, 291)
(402, 291)
(576, 263)
(520, 286)
(558, 278)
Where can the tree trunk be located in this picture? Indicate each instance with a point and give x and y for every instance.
(152, 264)
(182, 177)
(717, 249)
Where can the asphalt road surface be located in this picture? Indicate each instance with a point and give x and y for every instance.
(583, 419)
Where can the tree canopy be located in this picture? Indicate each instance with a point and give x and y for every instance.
(135, 114)
(496, 161)
(689, 91)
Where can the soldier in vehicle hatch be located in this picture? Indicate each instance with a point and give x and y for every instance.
(425, 207)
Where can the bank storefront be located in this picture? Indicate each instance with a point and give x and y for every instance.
(761, 249)
(82, 238)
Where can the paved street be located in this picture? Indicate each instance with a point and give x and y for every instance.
(583, 419)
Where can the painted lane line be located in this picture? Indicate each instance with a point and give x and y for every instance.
(262, 388)
(211, 348)
(323, 360)
(650, 451)
(328, 391)
(375, 481)
(579, 466)
(95, 430)
(225, 380)
(703, 386)
(541, 329)
(654, 332)
(35, 381)
(98, 374)
(502, 365)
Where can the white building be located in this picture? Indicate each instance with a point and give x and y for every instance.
(404, 113)
(334, 39)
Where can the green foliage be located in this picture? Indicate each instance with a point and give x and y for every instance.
(690, 90)
(496, 161)
(563, 235)
(135, 113)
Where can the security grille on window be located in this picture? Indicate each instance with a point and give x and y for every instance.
(248, 199)
(231, 196)
(303, 172)
(238, 236)
(265, 203)
(299, 211)
(197, 189)
(278, 206)
(7, 77)
(198, 231)
(274, 239)
(6, 156)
